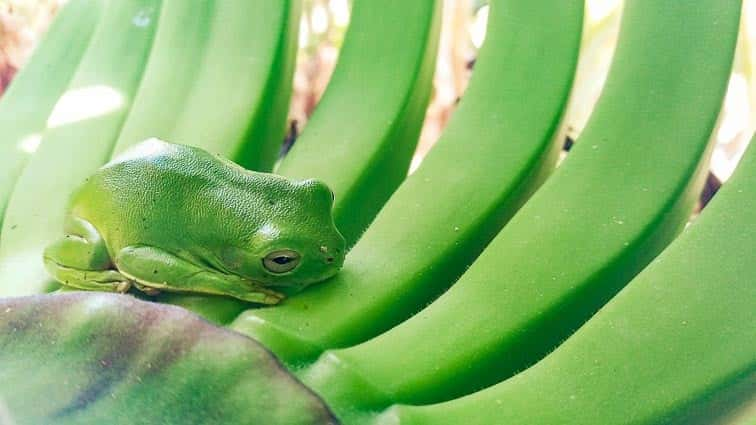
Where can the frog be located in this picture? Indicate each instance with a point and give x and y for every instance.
(170, 217)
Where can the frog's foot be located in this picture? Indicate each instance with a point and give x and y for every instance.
(81, 248)
(80, 260)
(89, 280)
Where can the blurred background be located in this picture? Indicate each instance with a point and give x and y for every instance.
(324, 23)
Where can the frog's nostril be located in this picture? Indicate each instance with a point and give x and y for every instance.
(329, 260)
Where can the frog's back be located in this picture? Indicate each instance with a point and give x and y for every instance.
(150, 168)
(163, 184)
(155, 160)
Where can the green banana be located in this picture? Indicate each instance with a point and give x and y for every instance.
(219, 77)
(496, 150)
(176, 56)
(82, 129)
(676, 346)
(363, 132)
(27, 103)
(621, 196)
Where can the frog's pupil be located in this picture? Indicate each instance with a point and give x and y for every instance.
(282, 260)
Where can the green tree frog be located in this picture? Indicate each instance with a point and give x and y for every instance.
(168, 217)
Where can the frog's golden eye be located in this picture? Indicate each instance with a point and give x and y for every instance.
(281, 261)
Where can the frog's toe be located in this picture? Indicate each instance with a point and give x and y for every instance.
(147, 290)
(267, 298)
(151, 291)
(273, 299)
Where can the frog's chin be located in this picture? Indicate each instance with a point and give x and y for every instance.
(285, 282)
(300, 285)
(290, 288)
(283, 286)
(286, 290)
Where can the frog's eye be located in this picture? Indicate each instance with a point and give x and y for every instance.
(281, 261)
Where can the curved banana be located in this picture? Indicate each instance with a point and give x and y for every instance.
(219, 77)
(363, 132)
(625, 191)
(175, 58)
(26, 105)
(676, 346)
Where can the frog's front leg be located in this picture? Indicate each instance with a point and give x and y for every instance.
(80, 259)
(157, 269)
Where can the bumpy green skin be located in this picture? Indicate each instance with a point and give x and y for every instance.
(176, 218)
(677, 346)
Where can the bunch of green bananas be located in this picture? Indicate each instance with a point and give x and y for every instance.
(462, 275)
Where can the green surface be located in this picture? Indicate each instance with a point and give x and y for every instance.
(625, 191)
(28, 101)
(363, 132)
(80, 135)
(495, 151)
(676, 346)
(91, 358)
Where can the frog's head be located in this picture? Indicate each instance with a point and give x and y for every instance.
(296, 242)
